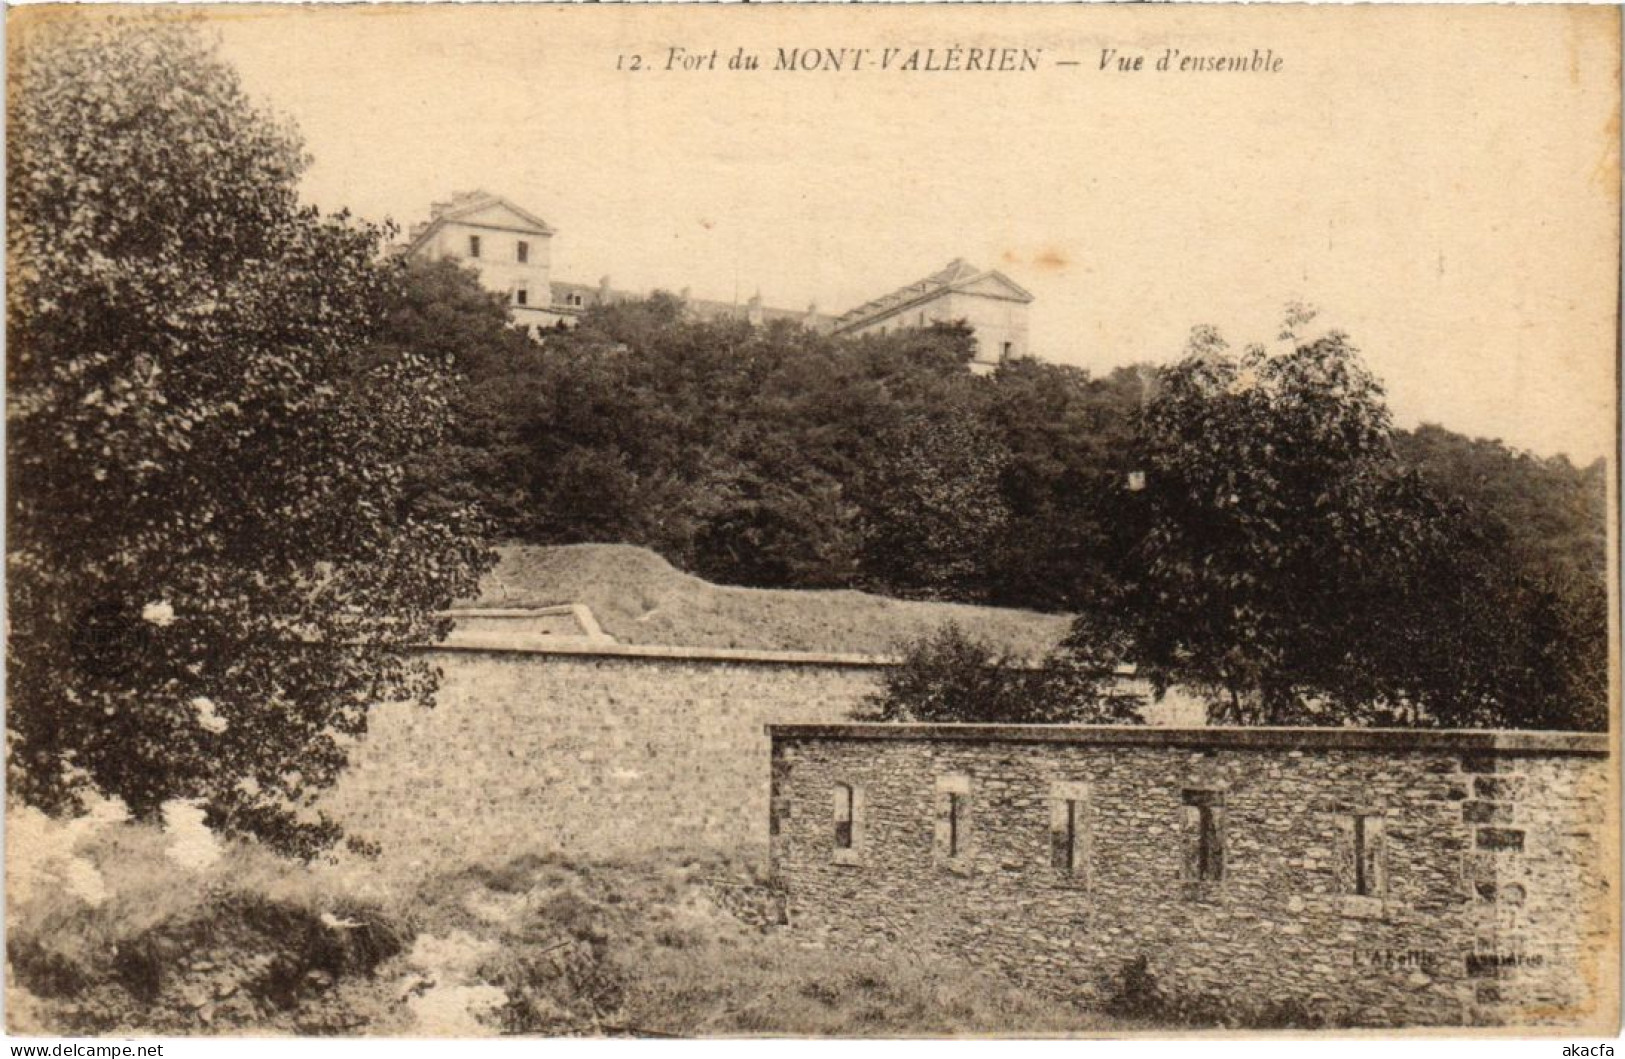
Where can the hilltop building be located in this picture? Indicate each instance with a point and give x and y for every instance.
(993, 304)
(510, 248)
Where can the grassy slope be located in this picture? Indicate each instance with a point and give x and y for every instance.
(639, 598)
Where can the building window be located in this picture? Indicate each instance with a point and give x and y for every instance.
(1069, 830)
(1369, 878)
(1204, 828)
(521, 296)
(1009, 347)
(843, 816)
(573, 300)
(847, 820)
(523, 252)
(1362, 861)
(953, 820)
(473, 246)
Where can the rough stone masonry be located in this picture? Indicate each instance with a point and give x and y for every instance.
(1366, 877)
(596, 749)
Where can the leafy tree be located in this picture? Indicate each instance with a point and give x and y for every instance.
(1274, 514)
(1070, 440)
(630, 426)
(215, 564)
(1553, 514)
(442, 315)
(952, 677)
(1519, 635)
(756, 455)
(932, 507)
(1295, 568)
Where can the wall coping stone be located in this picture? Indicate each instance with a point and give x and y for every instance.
(475, 645)
(1260, 738)
(579, 611)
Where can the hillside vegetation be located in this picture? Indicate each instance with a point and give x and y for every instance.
(640, 598)
(118, 935)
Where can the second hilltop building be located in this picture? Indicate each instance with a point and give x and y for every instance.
(509, 247)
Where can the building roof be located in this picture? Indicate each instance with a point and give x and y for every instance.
(1476, 740)
(601, 294)
(590, 294)
(719, 310)
(958, 275)
(467, 203)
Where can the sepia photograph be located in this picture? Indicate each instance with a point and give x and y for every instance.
(851, 521)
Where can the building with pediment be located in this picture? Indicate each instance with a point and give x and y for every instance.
(992, 304)
(510, 248)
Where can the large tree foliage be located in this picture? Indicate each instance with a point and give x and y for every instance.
(1069, 440)
(1522, 640)
(933, 511)
(215, 565)
(1292, 566)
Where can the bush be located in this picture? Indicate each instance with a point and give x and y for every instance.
(955, 677)
(1136, 993)
(137, 939)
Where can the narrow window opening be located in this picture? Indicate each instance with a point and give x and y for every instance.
(1064, 838)
(952, 840)
(1205, 809)
(1362, 869)
(1069, 830)
(524, 252)
(1209, 863)
(473, 246)
(843, 816)
(521, 296)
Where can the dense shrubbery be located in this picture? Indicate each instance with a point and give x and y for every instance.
(952, 677)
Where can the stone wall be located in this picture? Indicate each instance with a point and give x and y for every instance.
(595, 748)
(1365, 877)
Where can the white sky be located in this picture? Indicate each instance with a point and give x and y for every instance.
(1443, 183)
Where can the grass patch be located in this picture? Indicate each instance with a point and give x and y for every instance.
(640, 598)
(250, 940)
(680, 945)
(650, 946)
